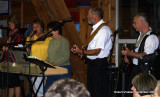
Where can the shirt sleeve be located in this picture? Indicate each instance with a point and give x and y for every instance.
(151, 44)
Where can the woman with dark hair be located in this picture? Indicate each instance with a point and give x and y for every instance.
(15, 36)
(58, 52)
(38, 49)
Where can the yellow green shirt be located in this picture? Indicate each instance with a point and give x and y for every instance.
(39, 48)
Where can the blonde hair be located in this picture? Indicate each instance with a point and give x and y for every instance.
(158, 88)
(144, 82)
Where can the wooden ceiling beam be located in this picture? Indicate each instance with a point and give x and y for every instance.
(69, 29)
(43, 11)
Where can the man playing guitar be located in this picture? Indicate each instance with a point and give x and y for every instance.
(98, 50)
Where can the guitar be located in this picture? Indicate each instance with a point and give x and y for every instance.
(125, 66)
(82, 55)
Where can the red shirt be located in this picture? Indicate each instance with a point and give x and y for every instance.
(15, 38)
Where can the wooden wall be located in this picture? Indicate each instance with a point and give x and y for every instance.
(27, 10)
(23, 10)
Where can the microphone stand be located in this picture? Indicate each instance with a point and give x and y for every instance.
(29, 77)
(123, 71)
(110, 62)
(42, 38)
(7, 70)
(9, 55)
(111, 65)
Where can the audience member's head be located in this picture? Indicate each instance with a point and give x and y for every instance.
(143, 84)
(67, 88)
(157, 90)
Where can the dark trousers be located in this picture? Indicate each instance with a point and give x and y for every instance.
(51, 79)
(97, 77)
(135, 71)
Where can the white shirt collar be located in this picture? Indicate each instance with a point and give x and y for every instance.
(97, 25)
(150, 30)
(94, 27)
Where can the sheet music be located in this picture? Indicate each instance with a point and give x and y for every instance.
(33, 58)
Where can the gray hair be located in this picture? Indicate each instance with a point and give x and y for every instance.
(144, 15)
(97, 11)
(67, 88)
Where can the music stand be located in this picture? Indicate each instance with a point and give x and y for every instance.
(43, 67)
(19, 56)
(39, 62)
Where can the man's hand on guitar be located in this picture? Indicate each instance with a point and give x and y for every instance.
(126, 52)
(76, 50)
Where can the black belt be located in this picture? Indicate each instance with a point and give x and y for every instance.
(105, 58)
(135, 65)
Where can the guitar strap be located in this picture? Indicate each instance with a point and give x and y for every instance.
(93, 35)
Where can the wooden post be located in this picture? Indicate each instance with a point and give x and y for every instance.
(22, 24)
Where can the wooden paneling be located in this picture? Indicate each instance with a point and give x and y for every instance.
(16, 10)
(108, 7)
(29, 13)
(69, 30)
(23, 11)
(85, 29)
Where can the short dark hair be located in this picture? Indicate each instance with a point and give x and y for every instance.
(55, 26)
(97, 11)
(38, 21)
(144, 82)
(67, 88)
(144, 15)
(13, 19)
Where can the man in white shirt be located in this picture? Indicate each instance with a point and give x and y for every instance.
(146, 44)
(97, 52)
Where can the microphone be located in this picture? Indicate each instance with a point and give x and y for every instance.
(117, 31)
(33, 34)
(44, 37)
(49, 35)
(65, 20)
